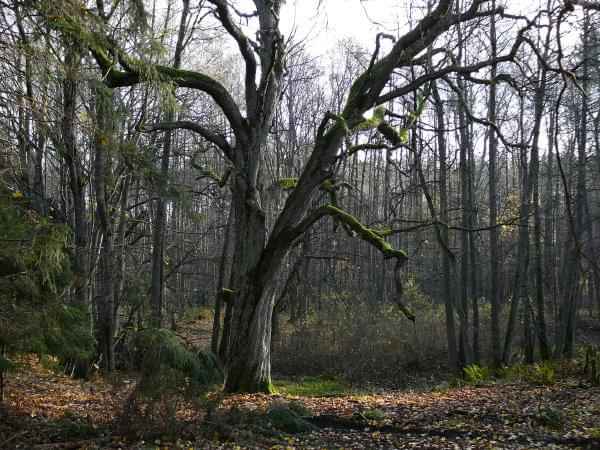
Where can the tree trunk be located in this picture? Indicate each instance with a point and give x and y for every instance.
(160, 220)
(106, 269)
(465, 173)
(247, 359)
(446, 263)
(223, 275)
(520, 285)
(495, 266)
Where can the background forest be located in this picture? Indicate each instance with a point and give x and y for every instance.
(121, 180)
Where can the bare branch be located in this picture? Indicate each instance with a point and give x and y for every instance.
(480, 120)
(245, 46)
(211, 136)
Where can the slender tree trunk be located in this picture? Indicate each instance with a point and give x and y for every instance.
(495, 259)
(76, 181)
(520, 285)
(446, 263)
(106, 272)
(160, 220)
(568, 310)
(465, 174)
(539, 98)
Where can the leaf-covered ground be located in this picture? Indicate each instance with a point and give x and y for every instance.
(47, 411)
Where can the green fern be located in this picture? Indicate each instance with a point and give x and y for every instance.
(475, 374)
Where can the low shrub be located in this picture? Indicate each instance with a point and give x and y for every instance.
(169, 376)
(476, 374)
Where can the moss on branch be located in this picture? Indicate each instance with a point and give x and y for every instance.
(286, 183)
(365, 233)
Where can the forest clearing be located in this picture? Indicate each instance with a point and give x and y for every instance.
(299, 224)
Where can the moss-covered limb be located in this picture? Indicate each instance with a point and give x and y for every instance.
(391, 134)
(208, 173)
(218, 139)
(367, 88)
(332, 188)
(324, 134)
(363, 232)
(373, 122)
(373, 238)
(89, 30)
(400, 137)
(286, 183)
(398, 297)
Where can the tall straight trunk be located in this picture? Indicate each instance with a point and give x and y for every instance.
(465, 174)
(446, 263)
(25, 133)
(596, 272)
(520, 285)
(549, 201)
(121, 241)
(76, 181)
(160, 220)
(495, 263)
(473, 256)
(106, 270)
(568, 310)
(539, 98)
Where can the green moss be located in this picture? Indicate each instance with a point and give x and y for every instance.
(371, 123)
(327, 185)
(208, 173)
(407, 312)
(285, 419)
(383, 232)
(286, 182)
(265, 387)
(403, 135)
(310, 386)
(365, 233)
(375, 414)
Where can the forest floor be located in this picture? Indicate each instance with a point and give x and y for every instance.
(44, 410)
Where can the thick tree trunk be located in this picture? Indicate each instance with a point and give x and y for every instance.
(223, 275)
(247, 359)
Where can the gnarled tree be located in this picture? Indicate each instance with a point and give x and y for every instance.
(259, 252)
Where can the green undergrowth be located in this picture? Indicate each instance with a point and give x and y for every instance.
(310, 386)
